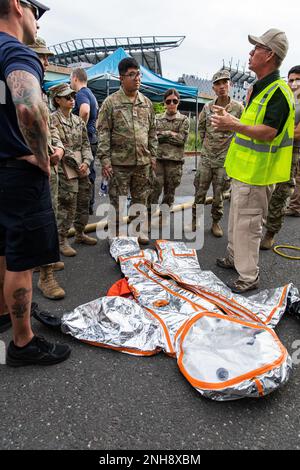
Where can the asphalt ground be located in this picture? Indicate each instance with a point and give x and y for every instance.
(103, 400)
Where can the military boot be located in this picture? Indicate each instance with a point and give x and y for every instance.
(59, 266)
(83, 239)
(268, 241)
(48, 285)
(216, 230)
(291, 213)
(65, 248)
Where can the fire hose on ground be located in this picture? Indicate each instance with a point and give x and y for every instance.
(103, 225)
(188, 205)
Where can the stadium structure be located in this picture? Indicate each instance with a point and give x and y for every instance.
(145, 49)
(240, 78)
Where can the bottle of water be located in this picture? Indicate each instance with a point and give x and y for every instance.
(103, 191)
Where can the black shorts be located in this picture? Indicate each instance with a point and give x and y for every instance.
(28, 231)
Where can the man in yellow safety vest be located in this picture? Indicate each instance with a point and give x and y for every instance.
(260, 155)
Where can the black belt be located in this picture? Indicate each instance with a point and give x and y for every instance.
(13, 163)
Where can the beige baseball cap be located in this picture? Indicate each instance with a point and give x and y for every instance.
(274, 39)
(40, 47)
(221, 75)
(61, 90)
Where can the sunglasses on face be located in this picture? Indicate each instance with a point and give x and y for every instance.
(172, 102)
(33, 8)
(68, 98)
(265, 48)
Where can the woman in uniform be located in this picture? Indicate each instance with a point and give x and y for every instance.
(74, 185)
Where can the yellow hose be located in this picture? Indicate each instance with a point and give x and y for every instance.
(277, 249)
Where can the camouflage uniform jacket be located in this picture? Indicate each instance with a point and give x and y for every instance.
(126, 131)
(215, 144)
(53, 135)
(297, 121)
(172, 133)
(73, 134)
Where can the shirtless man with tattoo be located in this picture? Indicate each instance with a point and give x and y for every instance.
(28, 232)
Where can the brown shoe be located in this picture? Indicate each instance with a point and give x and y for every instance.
(225, 263)
(66, 249)
(48, 285)
(83, 239)
(216, 230)
(268, 241)
(239, 287)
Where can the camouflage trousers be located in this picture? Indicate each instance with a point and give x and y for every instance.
(54, 189)
(133, 180)
(167, 179)
(206, 176)
(278, 202)
(295, 199)
(73, 204)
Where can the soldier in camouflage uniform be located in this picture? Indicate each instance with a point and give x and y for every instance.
(172, 132)
(47, 283)
(127, 141)
(215, 145)
(283, 191)
(74, 193)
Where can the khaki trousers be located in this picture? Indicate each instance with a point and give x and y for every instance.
(248, 209)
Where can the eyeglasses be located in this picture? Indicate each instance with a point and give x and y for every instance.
(133, 75)
(172, 102)
(33, 8)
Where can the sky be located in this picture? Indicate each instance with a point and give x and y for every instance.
(215, 30)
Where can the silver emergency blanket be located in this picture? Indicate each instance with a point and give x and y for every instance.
(224, 343)
(116, 323)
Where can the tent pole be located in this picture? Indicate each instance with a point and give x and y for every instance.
(196, 136)
(108, 85)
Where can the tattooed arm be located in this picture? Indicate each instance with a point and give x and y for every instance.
(32, 115)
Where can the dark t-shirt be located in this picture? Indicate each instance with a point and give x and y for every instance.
(85, 96)
(14, 56)
(278, 110)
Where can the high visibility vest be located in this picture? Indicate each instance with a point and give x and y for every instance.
(257, 162)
